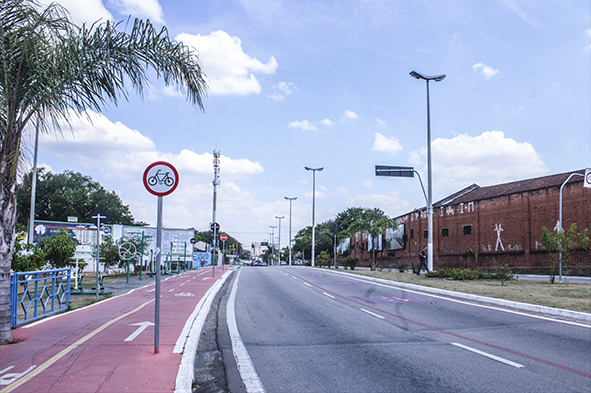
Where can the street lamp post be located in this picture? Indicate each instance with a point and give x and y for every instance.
(436, 78)
(279, 229)
(290, 200)
(313, 206)
(273, 242)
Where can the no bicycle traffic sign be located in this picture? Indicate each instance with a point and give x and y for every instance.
(161, 178)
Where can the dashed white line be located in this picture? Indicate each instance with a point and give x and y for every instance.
(488, 355)
(372, 313)
(328, 294)
(308, 285)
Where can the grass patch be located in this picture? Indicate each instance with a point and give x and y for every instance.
(572, 296)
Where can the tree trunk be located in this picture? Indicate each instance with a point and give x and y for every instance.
(7, 225)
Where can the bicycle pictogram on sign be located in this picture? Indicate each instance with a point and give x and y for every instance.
(161, 178)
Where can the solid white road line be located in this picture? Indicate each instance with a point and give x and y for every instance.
(250, 377)
(488, 355)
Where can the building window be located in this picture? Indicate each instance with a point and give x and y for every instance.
(445, 232)
(467, 229)
(425, 234)
(412, 233)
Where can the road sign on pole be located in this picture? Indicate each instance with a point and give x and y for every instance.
(395, 171)
(223, 237)
(587, 181)
(160, 179)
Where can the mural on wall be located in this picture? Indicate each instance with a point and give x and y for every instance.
(499, 243)
(395, 238)
(498, 230)
(83, 234)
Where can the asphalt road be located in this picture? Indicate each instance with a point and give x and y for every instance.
(307, 330)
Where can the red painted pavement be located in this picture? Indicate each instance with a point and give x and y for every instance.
(84, 350)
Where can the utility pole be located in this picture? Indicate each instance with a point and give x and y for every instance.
(216, 182)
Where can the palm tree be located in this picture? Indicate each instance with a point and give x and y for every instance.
(50, 68)
(374, 222)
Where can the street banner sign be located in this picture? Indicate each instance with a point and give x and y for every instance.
(587, 181)
(396, 171)
(161, 178)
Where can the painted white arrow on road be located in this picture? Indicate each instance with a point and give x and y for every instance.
(142, 327)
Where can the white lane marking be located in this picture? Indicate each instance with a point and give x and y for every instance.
(252, 382)
(308, 285)
(328, 294)
(142, 327)
(488, 355)
(402, 288)
(373, 314)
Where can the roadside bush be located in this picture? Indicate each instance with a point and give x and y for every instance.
(504, 273)
(402, 267)
(351, 262)
(460, 274)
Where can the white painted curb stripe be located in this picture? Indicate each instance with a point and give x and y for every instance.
(488, 355)
(186, 373)
(252, 382)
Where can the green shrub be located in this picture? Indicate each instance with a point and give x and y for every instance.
(504, 273)
(402, 267)
(460, 274)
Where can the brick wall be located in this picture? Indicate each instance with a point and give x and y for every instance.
(503, 229)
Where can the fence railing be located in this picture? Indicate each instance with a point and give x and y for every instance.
(34, 295)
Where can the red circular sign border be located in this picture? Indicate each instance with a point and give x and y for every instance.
(176, 174)
(223, 234)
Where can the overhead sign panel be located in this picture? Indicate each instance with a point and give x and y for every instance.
(396, 171)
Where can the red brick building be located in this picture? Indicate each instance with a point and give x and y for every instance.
(483, 227)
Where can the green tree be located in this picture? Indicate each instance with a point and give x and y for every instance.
(50, 67)
(374, 222)
(563, 244)
(69, 194)
(303, 242)
(26, 257)
(58, 249)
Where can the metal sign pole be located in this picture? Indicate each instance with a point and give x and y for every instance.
(157, 292)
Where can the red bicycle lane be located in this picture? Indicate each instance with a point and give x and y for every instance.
(109, 346)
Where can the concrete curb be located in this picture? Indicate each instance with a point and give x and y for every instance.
(186, 373)
(531, 308)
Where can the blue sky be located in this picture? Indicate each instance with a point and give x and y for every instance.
(326, 84)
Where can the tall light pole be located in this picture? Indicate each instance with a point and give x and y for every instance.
(290, 200)
(273, 241)
(436, 78)
(279, 245)
(313, 206)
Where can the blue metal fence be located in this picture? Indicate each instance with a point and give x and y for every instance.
(34, 295)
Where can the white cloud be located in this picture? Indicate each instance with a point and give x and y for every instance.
(118, 150)
(487, 71)
(285, 88)
(367, 183)
(350, 114)
(88, 11)
(327, 122)
(381, 122)
(150, 9)
(391, 203)
(490, 158)
(304, 125)
(386, 144)
(229, 70)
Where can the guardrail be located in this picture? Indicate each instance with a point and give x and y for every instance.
(34, 295)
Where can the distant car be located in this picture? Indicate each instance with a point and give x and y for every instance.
(282, 263)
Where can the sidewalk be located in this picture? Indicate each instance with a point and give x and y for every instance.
(110, 346)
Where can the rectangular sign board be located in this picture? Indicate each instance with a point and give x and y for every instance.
(396, 171)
